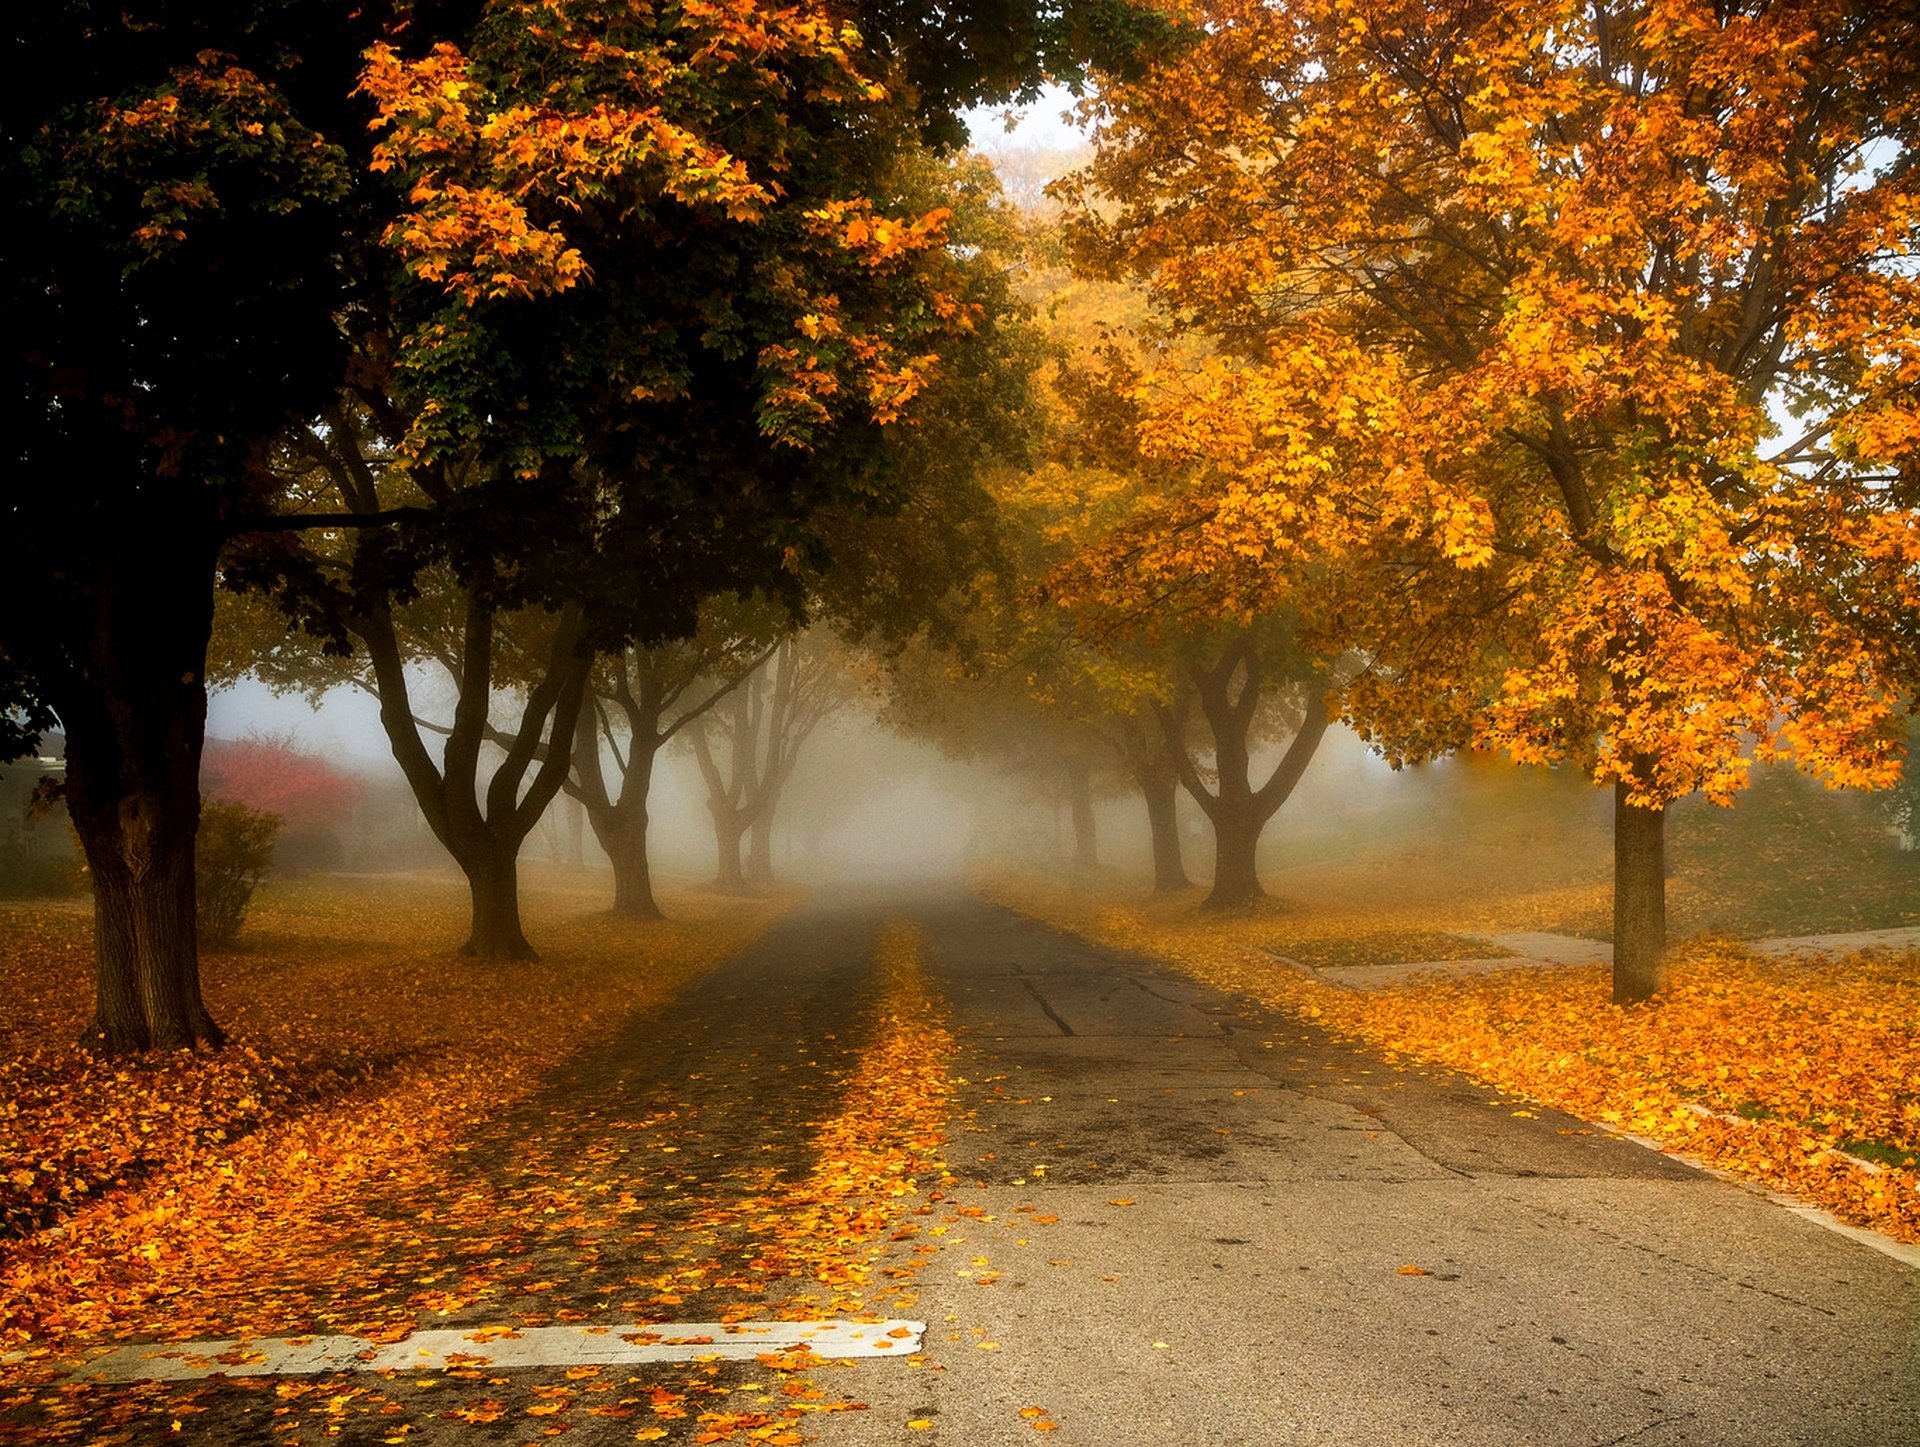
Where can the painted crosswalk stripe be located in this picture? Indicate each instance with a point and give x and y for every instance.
(501, 1348)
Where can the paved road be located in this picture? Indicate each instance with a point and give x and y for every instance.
(1567, 1287)
(1580, 1289)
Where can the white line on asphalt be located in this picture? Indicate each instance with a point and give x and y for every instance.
(497, 1347)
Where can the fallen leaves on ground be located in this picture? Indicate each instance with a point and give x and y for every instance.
(438, 1153)
(364, 1047)
(1777, 1070)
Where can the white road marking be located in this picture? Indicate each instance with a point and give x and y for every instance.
(492, 1347)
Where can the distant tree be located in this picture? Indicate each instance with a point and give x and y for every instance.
(644, 698)
(748, 746)
(273, 774)
(1254, 680)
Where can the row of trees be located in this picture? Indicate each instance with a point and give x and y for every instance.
(1530, 375)
(521, 328)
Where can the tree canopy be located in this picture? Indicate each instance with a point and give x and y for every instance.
(1583, 336)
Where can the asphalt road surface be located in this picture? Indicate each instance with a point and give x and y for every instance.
(1174, 1218)
(1579, 1289)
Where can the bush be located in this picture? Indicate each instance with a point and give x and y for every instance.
(234, 853)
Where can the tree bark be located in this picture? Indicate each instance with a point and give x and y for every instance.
(135, 718)
(1086, 844)
(493, 882)
(760, 847)
(633, 875)
(1639, 899)
(621, 824)
(729, 878)
(1236, 842)
(1161, 788)
(575, 831)
(626, 840)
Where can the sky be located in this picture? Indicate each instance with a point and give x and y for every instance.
(1042, 126)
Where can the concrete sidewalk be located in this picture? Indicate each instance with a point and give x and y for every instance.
(1538, 949)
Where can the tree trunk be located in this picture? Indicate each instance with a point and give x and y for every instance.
(760, 849)
(632, 870)
(1161, 790)
(1236, 839)
(730, 877)
(1086, 845)
(1639, 899)
(633, 876)
(494, 885)
(119, 1023)
(760, 837)
(135, 718)
(575, 834)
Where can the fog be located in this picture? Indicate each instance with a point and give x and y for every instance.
(865, 805)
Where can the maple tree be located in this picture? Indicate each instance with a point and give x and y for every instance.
(1149, 644)
(177, 216)
(1584, 338)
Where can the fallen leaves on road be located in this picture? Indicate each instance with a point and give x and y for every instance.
(1784, 1072)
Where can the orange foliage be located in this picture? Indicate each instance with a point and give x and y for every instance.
(324, 1179)
(1512, 304)
(518, 156)
(1761, 1068)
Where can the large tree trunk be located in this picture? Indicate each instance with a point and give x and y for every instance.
(1236, 840)
(633, 876)
(493, 884)
(760, 849)
(1160, 788)
(1639, 899)
(1086, 844)
(135, 720)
